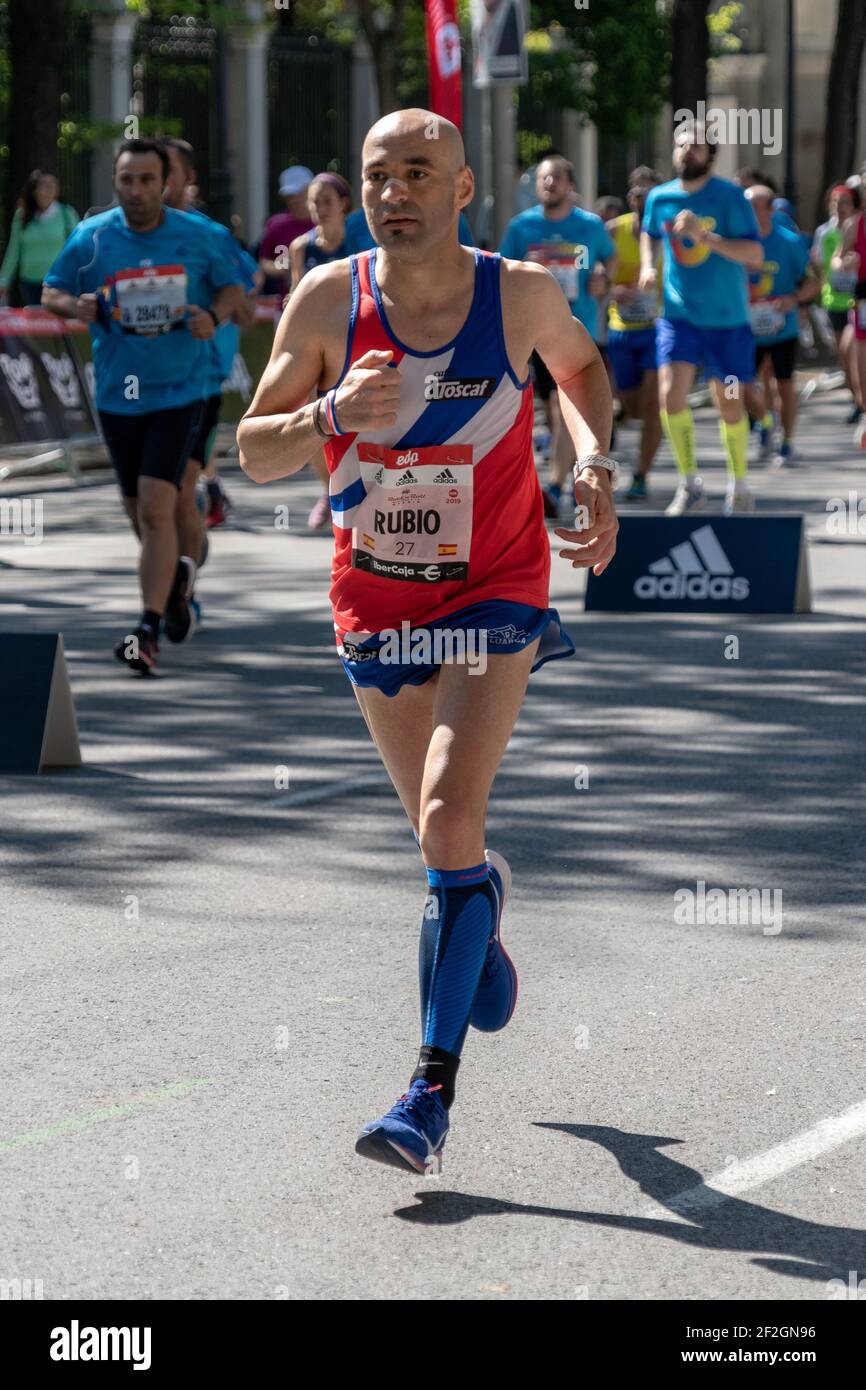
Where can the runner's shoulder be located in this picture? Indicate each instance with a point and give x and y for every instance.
(324, 296)
(520, 281)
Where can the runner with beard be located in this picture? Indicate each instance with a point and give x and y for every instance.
(709, 235)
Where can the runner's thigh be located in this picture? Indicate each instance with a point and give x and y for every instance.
(473, 717)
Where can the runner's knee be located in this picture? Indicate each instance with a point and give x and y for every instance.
(448, 829)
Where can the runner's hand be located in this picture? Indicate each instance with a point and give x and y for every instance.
(648, 279)
(86, 308)
(200, 323)
(688, 224)
(369, 395)
(596, 540)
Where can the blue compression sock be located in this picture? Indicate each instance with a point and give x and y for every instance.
(458, 920)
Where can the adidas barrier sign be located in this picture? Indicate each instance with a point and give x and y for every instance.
(37, 716)
(705, 564)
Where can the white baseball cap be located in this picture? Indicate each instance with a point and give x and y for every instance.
(295, 179)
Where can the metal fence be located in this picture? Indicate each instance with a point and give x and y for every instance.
(309, 94)
(174, 86)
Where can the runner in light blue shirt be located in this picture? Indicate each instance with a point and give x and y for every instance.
(154, 285)
(572, 244)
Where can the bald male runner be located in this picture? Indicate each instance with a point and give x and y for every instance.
(438, 524)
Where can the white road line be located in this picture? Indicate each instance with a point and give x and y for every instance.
(753, 1172)
(329, 789)
(367, 779)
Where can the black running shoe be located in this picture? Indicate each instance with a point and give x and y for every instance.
(138, 650)
(179, 618)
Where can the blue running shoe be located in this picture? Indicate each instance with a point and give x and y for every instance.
(412, 1134)
(496, 997)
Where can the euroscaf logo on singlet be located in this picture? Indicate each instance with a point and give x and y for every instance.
(440, 387)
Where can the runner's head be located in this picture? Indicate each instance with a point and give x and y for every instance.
(329, 200)
(842, 201)
(39, 192)
(416, 181)
(693, 157)
(294, 183)
(760, 195)
(141, 170)
(554, 180)
(608, 207)
(181, 174)
(640, 181)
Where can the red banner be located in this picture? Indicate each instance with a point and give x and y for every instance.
(443, 60)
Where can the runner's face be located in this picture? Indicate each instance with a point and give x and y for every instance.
(174, 195)
(691, 159)
(410, 193)
(325, 204)
(842, 206)
(46, 191)
(139, 183)
(637, 196)
(552, 184)
(763, 209)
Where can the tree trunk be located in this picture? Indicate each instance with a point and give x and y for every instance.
(690, 53)
(38, 35)
(385, 45)
(843, 83)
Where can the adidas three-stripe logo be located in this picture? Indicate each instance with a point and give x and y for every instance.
(697, 568)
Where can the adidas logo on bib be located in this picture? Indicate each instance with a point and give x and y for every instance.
(695, 569)
(446, 476)
(408, 477)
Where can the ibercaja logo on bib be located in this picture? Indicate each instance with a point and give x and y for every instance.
(438, 386)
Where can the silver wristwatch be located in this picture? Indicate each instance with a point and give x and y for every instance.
(598, 461)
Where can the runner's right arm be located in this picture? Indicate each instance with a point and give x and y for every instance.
(69, 306)
(277, 435)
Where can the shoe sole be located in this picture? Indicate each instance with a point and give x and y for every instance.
(138, 665)
(171, 628)
(503, 869)
(377, 1146)
(686, 511)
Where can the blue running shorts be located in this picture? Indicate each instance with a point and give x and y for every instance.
(390, 659)
(632, 351)
(725, 352)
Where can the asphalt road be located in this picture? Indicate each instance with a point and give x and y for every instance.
(209, 982)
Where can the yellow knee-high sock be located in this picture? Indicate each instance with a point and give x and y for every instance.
(680, 430)
(736, 441)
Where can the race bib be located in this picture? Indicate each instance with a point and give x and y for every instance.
(151, 299)
(766, 321)
(843, 281)
(415, 523)
(564, 260)
(565, 274)
(642, 309)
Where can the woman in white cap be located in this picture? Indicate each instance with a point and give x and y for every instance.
(282, 229)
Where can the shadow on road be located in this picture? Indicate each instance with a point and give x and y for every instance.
(784, 1244)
